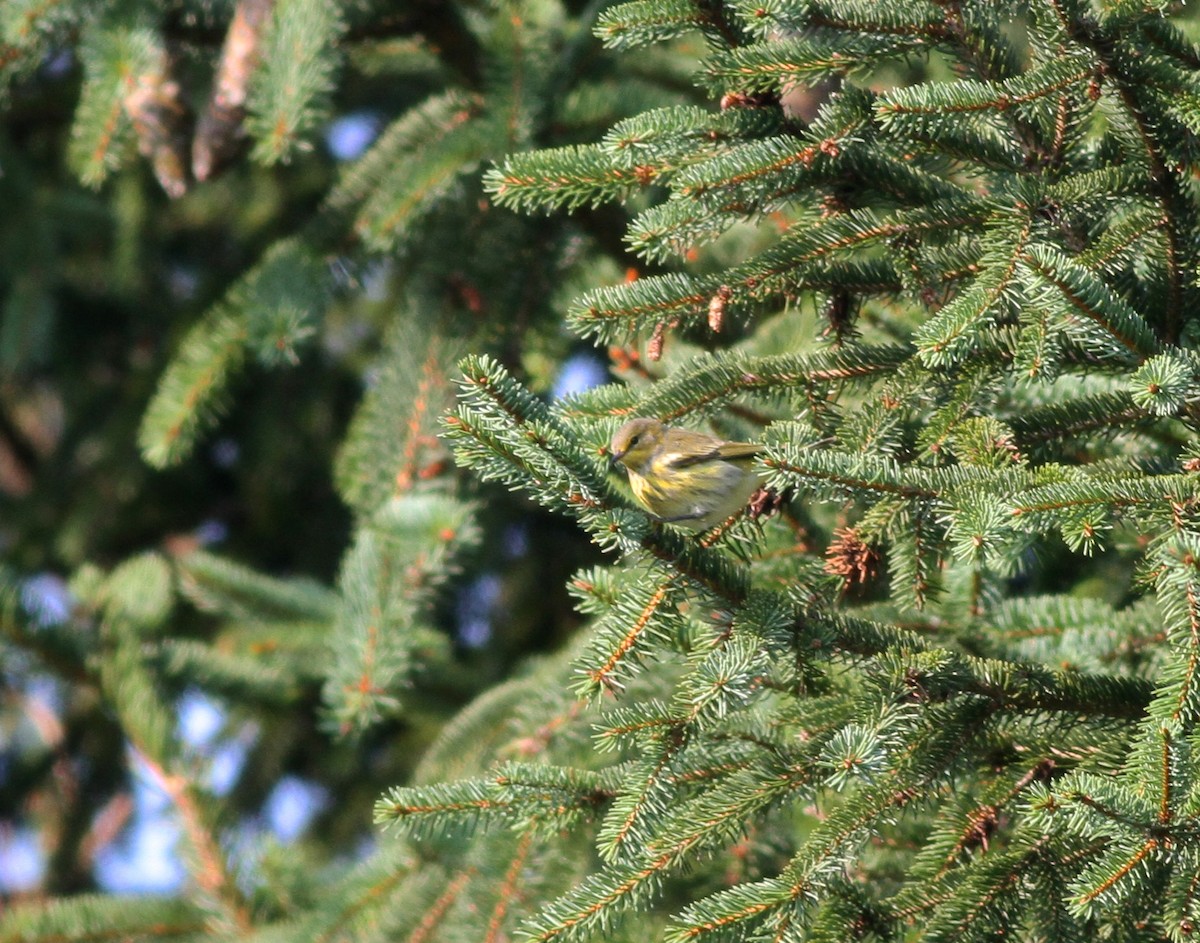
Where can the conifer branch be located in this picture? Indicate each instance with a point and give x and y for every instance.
(757, 176)
(644, 795)
(219, 585)
(190, 394)
(392, 447)
(641, 22)
(615, 314)
(603, 678)
(1070, 418)
(851, 475)
(390, 575)
(1178, 592)
(100, 918)
(709, 384)
(593, 903)
(967, 96)
(520, 795)
(1128, 79)
(210, 871)
(507, 895)
(1088, 296)
(261, 674)
(901, 19)
(436, 913)
(267, 313)
(948, 337)
(989, 891)
(1114, 493)
(428, 176)
(114, 56)
(289, 91)
(594, 177)
(766, 67)
(424, 124)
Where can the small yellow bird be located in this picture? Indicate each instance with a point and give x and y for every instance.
(684, 477)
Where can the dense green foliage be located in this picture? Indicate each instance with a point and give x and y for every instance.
(225, 352)
(939, 257)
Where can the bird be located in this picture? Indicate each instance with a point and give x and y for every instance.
(684, 477)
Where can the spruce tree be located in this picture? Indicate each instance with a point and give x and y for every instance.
(225, 356)
(949, 691)
(937, 683)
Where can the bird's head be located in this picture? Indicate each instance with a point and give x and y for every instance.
(635, 442)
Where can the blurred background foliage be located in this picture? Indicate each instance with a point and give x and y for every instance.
(242, 247)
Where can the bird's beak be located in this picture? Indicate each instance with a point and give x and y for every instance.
(613, 459)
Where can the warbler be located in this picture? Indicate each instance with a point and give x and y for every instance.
(685, 477)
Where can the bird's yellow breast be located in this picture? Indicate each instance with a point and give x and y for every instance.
(696, 496)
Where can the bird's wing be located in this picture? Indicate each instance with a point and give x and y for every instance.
(725, 451)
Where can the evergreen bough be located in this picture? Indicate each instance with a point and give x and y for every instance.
(950, 692)
(946, 691)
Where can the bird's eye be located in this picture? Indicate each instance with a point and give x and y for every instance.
(633, 441)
